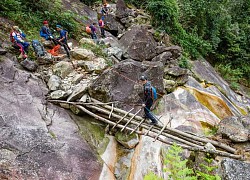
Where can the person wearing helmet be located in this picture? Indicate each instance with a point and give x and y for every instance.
(148, 100)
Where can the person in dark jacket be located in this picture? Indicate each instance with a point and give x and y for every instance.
(62, 40)
(148, 100)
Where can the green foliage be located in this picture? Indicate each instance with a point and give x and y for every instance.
(178, 170)
(152, 176)
(207, 170)
(184, 62)
(230, 74)
(176, 166)
(216, 30)
(91, 2)
(29, 15)
(96, 49)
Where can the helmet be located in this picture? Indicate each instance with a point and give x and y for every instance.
(45, 22)
(143, 78)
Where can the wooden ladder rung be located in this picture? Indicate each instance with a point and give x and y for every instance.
(138, 125)
(110, 114)
(130, 120)
(122, 118)
(160, 132)
(149, 130)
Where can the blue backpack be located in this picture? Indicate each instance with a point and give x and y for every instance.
(153, 93)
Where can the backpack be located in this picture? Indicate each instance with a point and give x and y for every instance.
(153, 93)
(38, 48)
(88, 30)
(11, 37)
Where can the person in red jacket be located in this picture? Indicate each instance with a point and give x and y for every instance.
(18, 38)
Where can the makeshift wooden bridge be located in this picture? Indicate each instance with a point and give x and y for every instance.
(131, 122)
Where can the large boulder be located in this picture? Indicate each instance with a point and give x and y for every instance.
(120, 83)
(235, 170)
(37, 139)
(82, 54)
(205, 73)
(233, 128)
(138, 44)
(62, 69)
(112, 25)
(121, 9)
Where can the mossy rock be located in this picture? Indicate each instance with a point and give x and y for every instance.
(127, 140)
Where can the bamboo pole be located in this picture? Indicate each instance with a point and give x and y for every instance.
(150, 128)
(221, 153)
(122, 118)
(178, 132)
(167, 129)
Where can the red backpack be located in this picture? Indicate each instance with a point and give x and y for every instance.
(11, 37)
(88, 30)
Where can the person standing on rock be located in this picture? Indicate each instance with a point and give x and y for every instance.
(62, 40)
(148, 99)
(101, 25)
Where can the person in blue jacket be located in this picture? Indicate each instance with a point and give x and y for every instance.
(45, 31)
(62, 40)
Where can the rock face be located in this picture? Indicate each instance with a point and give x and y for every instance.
(206, 73)
(120, 82)
(121, 9)
(138, 44)
(112, 25)
(233, 128)
(235, 170)
(38, 140)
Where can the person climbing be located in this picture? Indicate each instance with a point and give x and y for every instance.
(18, 38)
(148, 99)
(62, 40)
(101, 25)
(93, 32)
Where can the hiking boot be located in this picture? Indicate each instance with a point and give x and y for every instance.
(153, 123)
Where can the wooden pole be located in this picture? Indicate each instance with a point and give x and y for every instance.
(177, 132)
(221, 153)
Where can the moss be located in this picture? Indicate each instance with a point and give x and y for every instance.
(121, 136)
(93, 132)
(52, 135)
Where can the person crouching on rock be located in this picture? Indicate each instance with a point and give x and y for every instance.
(46, 33)
(148, 100)
(18, 38)
(93, 32)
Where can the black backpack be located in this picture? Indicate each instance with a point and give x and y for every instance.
(38, 48)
